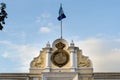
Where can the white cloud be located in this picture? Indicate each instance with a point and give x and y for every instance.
(46, 26)
(26, 53)
(42, 18)
(45, 15)
(102, 52)
(22, 54)
(45, 30)
(5, 55)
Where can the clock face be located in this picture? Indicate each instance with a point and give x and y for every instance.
(60, 58)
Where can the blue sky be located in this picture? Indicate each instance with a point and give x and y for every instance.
(93, 25)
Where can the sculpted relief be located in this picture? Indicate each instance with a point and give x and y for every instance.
(37, 62)
(84, 62)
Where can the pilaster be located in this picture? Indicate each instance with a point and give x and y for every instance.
(48, 53)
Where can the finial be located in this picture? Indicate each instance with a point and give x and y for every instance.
(48, 45)
(72, 44)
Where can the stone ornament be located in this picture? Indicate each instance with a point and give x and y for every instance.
(60, 57)
(37, 62)
(84, 62)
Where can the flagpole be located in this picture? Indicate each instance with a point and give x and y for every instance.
(61, 28)
(61, 23)
(60, 17)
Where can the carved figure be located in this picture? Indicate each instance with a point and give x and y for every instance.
(84, 62)
(37, 62)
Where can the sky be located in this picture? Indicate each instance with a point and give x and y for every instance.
(93, 25)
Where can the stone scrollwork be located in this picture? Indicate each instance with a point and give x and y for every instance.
(37, 62)
(84, 62)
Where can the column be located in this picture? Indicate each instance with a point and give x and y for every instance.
(72, 55)
(48, 58)
(48, 51)
(75, 53)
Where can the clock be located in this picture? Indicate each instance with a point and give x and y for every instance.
(60, 57)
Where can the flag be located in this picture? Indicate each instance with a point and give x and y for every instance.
(61, 14)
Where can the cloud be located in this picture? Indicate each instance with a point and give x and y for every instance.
(45, 24)
(42, 18)
(104, 53)
(5, 55)
(19, 55)
(45, 30)
(45, 15)
(49, 27)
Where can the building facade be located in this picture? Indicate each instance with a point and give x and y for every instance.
(60, 61)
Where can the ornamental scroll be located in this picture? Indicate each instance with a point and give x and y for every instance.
(37, 62)
(84, 62)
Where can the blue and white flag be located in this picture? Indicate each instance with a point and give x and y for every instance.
(61, 13)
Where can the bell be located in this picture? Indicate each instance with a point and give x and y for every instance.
(1, 27)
